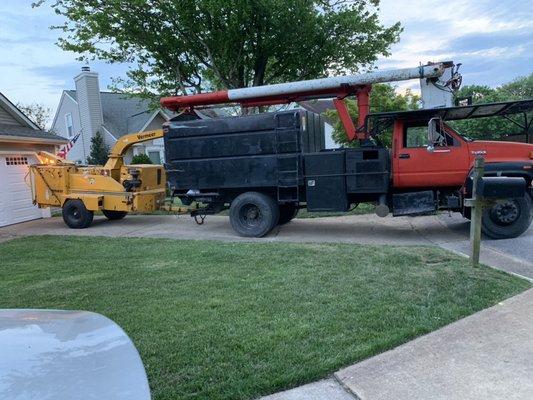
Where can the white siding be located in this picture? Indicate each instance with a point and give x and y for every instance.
(328, 133)
(69, 106)
(89, 105)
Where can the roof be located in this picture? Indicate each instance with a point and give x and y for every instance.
(123, 113)
(456, 113)
(18, 115)
(16, 131)
(26, 128)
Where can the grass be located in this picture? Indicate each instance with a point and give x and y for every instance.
(217, 320)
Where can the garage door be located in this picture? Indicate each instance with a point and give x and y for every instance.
(15, 195)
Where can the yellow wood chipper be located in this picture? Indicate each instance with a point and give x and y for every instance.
(114, 189)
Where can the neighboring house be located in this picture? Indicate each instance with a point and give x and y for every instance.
(321, 106)
(20, 139)
(88, 110)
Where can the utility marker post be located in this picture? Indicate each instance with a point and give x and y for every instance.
(477, 212)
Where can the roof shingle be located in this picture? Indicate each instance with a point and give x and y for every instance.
(21, 131)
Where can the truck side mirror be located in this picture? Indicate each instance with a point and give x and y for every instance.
(433, 132)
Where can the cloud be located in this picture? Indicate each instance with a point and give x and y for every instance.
(492, 38)
(32, 67)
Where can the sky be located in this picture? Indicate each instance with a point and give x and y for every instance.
(493, 39)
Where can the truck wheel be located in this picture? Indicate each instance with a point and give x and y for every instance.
(76, 215)
(287, 212)
(508, 219)
(109, 214)
(253, 214)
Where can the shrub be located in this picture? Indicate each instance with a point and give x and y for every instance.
(141, 159)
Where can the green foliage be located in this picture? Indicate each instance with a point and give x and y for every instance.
(141, 159)
(99, 150)
(219, 320)
(383, 97)
(494, 127)
(186, 46)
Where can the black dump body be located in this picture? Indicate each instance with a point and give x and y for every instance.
(281, 154)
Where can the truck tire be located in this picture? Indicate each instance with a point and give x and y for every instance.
(112, 215)
(287, 212)
(509, 219)
(253, 214)
(76, 215)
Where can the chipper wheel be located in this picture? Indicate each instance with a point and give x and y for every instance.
(508, 219)
(76, 215)
(253, 214)
(112, 215)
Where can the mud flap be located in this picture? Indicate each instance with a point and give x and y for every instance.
(414, 203)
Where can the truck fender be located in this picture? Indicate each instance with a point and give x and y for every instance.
(510, 169)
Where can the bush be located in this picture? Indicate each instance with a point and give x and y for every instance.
(141, 159)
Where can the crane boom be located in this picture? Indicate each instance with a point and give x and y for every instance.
(314, 88)
(338, 87)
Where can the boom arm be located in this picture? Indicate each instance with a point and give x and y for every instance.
(338, 88)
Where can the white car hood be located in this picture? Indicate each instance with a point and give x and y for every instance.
(47, 354)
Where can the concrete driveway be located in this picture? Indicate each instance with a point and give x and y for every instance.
(450, 232)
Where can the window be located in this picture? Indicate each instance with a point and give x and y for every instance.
(417, 136)
(16, 160)
(69, 125)
(155, 157)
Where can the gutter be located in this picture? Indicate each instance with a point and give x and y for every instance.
(26, 139)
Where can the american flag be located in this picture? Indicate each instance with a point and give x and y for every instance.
(66, 148)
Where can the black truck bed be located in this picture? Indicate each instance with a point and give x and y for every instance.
(239, 152)
(281, 153)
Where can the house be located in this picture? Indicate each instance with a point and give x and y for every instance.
(20, 140)
(88, 110)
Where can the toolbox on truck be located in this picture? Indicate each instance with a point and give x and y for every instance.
(254, 151)
(367, 170)
(325, 181)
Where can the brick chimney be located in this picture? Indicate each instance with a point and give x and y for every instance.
(89, 106)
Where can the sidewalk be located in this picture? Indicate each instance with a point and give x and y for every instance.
(488, 355)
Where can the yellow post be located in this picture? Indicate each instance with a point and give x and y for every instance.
(477, 212)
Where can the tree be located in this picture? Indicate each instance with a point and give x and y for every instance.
(38, 113)
(383, 97)
(141, 159)
(189, 46)
(99, 150)
(494, 127)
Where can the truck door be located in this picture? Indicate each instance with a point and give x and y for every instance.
(415, 166)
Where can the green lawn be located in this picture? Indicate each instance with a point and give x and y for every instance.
(217, 320)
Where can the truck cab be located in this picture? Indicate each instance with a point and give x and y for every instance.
(429, 155)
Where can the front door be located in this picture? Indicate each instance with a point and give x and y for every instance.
(415, 166)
